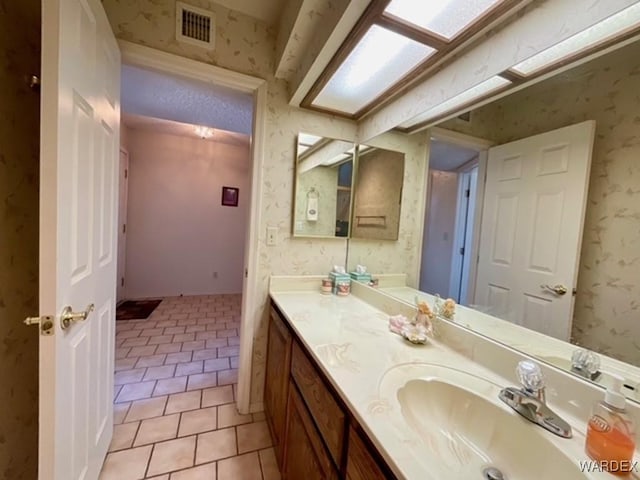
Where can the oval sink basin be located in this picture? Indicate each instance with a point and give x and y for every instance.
(465, 426)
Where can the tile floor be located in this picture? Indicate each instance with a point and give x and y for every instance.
(175, 385)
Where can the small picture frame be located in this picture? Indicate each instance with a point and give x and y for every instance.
(230, 196)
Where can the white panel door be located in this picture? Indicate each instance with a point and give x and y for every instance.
(79, 170)
(531, 234)
(123, 196)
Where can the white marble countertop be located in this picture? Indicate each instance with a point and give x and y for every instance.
(350, 341)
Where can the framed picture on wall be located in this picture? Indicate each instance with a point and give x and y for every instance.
(230, 196)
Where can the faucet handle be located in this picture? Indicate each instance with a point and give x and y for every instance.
(530, 376)
(586, 361)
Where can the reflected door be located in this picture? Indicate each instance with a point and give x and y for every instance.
(532, 222)
(78, 215)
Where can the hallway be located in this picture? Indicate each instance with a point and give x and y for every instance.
(175, 385)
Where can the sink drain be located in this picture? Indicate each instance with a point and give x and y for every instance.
(492, 473)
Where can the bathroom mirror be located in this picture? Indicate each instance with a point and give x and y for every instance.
(323, 183)
(606, 303)
(378, 193)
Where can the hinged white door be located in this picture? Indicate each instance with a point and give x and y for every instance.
(532, 222)
(79, 159)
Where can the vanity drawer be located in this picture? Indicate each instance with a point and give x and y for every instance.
(327, 414)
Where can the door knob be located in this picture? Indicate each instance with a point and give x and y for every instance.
(45, 323)
(68, 316)
(556, 289)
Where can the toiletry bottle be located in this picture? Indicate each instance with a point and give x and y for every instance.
(611, 432)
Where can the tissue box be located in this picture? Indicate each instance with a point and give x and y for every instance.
(360, 277)
(339, 276)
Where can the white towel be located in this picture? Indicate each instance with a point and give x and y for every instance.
(312, 209)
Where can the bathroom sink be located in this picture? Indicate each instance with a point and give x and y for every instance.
(462, 422)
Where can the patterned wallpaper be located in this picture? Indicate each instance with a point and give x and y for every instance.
(19, 56)
(607, 310)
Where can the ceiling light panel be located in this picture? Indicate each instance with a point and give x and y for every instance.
(446, 18)
(607, 29)
(379, 60)
(480, 90)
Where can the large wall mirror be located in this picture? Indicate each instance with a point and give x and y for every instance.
(324, 178)
(378, 193)
(550, 242)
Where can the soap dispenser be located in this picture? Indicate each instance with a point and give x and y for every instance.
(611, 432)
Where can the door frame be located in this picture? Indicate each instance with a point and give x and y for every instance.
(146, 57)
(482, 146)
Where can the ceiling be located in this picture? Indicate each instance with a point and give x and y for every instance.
(157, 125)
(447, 156)
(266, 10)
(164, 96)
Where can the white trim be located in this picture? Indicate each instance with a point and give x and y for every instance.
(483, 157)
(141, 56)
(461, 139)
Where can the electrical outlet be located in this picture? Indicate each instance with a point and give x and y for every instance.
(272, 236)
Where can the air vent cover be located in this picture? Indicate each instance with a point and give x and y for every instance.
(195, 26)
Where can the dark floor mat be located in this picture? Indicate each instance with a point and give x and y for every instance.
(136, 309)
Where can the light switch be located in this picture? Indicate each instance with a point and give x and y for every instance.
(272, 236)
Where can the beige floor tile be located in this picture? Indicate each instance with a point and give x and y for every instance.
(227, 333)
(196, 329)
(235, 362)
(205, 354)
(172, 455)
(217, 343)
(189, 368)
(156, 373)
(125, 363)
(123, 436)
(160, 339)
(202, 380)
(217, 396)
(233, 341)
(215, 364)
(170, 385)
(126, 464)
(179, 357)
(181, 402)
(148, 408)
(123, 352)
(246, 467)
(124, 334)
(269, 464)
(120, 412)
(253, 436)
(161, 477)
(206, 335)
(129, 376)
(174, 330)
(151, 360)
(203, 472)
(135, 342)
(195, 345)
(227, 377)
(228, 416)
(157, 429)
(184, 337)
(228, 352)
(169, 348)
(198, 421)
(152, 332)
(143, 351)
(135, 391)
(216, 445)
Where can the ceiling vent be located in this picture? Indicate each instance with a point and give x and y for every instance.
(195, 26)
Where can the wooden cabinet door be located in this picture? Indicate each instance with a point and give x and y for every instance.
(277, 380)
(305, 454)
(360, 463)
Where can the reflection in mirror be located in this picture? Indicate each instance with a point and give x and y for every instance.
(378, 194)
(534, 192)
(324, 175)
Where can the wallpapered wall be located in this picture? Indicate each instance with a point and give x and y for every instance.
(607, 306)
(19, 56)
(246, 45)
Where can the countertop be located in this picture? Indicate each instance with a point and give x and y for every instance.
(367, 364)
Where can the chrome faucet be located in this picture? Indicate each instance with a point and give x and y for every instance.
(586, 364)
(529, 401)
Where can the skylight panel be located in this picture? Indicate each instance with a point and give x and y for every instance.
(484, 88)
(379, 60)
(446, 18)
(605, 30)
(308, 139)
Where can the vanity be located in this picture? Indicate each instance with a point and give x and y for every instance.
(347, 399)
